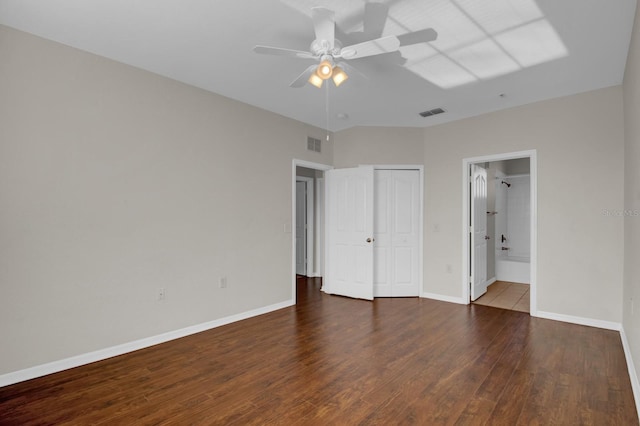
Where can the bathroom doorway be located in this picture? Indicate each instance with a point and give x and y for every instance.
(500, 230)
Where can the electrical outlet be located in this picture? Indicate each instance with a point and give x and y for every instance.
(161, 294)
(223, 282)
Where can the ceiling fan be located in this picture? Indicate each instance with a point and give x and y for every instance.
(330, 53)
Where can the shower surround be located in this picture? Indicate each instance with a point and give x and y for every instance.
(513, 228)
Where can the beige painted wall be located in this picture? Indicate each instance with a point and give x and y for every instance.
(378, 145)
(579, 141)
(116, 182)
(631, 89)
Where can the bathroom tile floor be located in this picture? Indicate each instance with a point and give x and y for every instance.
(506, 295)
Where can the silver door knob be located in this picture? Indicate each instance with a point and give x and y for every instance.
(370, 239)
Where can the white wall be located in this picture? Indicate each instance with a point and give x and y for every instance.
(579, 141)
(631, 88)
(519, 166)
(501, 218)
(116, 182)
(491, 221)
(518, 209)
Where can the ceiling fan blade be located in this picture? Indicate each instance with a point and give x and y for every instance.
(279, 51)
(371, 48)
(324, 24)
(375, 18)
(304, 77)
(422, 36)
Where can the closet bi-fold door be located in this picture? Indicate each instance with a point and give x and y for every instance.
(396, 249)
(349, 232)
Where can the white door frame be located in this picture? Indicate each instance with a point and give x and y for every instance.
(310, 268)
(318, 249)
(466, 240)
(290, 226)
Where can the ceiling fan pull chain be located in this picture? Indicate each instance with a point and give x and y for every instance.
(326, 111)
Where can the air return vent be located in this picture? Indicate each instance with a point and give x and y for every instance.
(314, 144)
(431, 112)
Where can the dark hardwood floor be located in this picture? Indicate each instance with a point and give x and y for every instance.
(332, 360)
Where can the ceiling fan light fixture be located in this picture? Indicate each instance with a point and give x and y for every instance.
(316, 80)
(339, 76)
(324, 70)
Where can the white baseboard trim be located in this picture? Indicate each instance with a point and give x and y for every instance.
(491, 281)
(607, 325)
(633, 375)
(442, 298)
(99, 355)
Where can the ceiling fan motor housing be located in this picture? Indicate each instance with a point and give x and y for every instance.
(323, 47)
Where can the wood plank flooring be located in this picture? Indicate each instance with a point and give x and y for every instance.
(333, 361)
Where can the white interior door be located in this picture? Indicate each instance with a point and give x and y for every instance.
(397, 233)
(478, 231)
(349, 225)
(301, 228)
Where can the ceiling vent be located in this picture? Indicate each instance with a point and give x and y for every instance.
(431, 112)
(314, 144)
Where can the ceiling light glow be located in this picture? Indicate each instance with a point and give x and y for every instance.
(316, 80)
(339, 76)
(324, 70)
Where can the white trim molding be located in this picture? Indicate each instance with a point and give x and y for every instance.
(443, 298)
(633, 375)
(607, 325)
(102, 354)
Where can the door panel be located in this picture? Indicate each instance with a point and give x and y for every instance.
(478, 231)
(349, 216)
(403, 266)
(383, 244)
(404, 204)
(380, 262)
(301, 228)
(397, 233)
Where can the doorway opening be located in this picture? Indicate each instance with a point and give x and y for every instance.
(306, 264)
(499, 230)
(307, 230)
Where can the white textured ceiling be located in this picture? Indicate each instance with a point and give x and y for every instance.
(489, 55)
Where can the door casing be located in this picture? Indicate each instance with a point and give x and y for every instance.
(289, 226)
